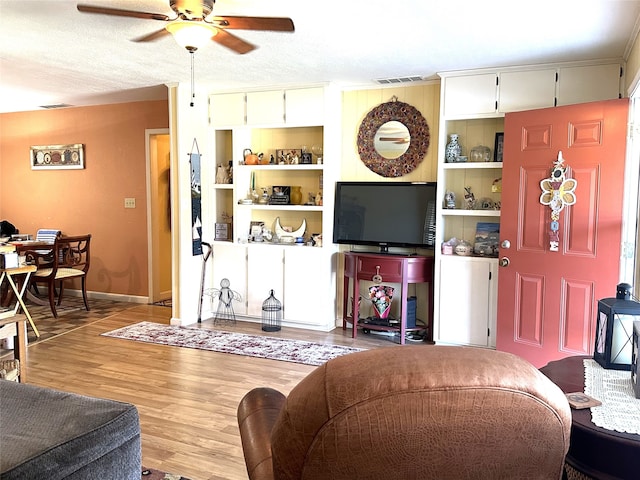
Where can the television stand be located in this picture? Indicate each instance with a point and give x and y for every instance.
(403, 269)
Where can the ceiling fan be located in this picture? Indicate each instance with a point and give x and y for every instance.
(192, 26)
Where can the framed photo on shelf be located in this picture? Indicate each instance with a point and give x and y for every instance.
(498, 147)
(290, 156)
(255, 231)
(487, 239)
(280, 195)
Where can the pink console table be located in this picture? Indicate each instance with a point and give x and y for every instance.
(403, 269)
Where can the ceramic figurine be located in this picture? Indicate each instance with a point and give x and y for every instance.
(453, 149)
(222, 175)
(469, 199)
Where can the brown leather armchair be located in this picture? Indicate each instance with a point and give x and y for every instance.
(410, 412)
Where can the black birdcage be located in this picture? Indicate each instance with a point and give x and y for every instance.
(271, 314)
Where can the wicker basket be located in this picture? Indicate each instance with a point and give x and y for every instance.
(573, 474)
(10, 370)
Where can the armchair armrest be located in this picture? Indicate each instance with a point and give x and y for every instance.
(39, 258)
(257, 414)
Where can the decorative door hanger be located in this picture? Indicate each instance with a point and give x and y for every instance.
(557, 191)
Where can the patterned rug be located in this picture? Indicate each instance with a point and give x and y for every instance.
(71, 316)
(296, 351)
(152, 474)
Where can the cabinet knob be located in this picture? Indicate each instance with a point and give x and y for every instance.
(504, 262)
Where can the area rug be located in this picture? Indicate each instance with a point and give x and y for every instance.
(273, 348)
(153, 474)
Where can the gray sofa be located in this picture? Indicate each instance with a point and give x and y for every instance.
(50, 434)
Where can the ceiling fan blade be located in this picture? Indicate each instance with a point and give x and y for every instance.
(152, 36)
(236, 44)
(122, 13)
(274, 24)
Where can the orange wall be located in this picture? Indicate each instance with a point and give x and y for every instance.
(90, 200)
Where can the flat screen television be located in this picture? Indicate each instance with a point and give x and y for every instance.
(385, 214)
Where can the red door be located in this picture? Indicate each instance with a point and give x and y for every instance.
(547, 300)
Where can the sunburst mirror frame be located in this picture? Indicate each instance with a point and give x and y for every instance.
(420, 137)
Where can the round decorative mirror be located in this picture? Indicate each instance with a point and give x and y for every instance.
(393, 139)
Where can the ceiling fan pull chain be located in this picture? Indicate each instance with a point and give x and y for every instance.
(193, 95)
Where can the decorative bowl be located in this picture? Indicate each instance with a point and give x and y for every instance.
(480, 154)
(464, 248)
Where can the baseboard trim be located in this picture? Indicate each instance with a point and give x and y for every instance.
(115, 297)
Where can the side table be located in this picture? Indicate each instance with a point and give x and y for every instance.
(20, 345)
(403, 269)
(594, 451)
(8, 274)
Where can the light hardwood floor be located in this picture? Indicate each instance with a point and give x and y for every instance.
(187, 398)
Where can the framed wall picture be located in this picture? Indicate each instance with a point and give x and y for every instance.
(52, 157)
(498, 147)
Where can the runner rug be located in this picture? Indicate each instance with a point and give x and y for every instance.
(273, 348)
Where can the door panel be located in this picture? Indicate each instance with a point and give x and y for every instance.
(582, 218)
(529, 301)
(531, 231)
(575, 317)
(547, 300)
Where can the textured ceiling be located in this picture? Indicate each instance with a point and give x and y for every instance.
(52, 54)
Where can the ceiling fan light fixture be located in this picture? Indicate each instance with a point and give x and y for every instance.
(191, 34)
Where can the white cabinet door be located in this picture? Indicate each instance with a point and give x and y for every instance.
(265, 108)
(464, 301)
(227, 109)
(307, 298)
(470, 95)
(229, 261)
(265, 272)
(304, 106)
(526, 90)
(590, 83)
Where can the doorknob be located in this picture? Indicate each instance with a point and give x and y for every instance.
(504, 262)
(505, 244)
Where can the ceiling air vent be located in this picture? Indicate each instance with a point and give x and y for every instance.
(56, 105)
(386, 81)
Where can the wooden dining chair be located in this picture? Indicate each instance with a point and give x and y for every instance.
(69, 258)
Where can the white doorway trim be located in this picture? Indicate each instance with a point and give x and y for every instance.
(629, 264)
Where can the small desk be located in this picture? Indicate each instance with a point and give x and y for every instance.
(20, 345)
(594, 451)
(8, 274)
(403, 269)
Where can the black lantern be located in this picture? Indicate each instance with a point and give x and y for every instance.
(614, 332)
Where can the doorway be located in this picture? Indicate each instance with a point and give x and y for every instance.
(159, 215)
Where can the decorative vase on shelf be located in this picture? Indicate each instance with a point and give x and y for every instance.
(296, 196)
(453, 149)
(381, 297)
